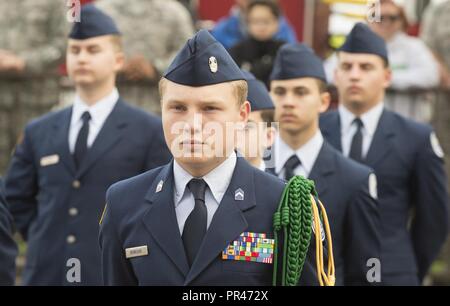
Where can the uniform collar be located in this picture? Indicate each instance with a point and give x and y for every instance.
(370, 119)
(99, 111)
(218, 179)
(307, 153)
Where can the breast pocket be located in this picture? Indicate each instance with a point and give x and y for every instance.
(241, 266)
(51, 170)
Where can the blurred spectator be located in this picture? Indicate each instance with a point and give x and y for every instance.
(410, 59)
(153, 32)
(257, 53)
(233, 28)
(436, 34)
(414, 70)
(32, 43)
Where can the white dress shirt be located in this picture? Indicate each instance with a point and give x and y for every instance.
(217, 180)
(99, 113)
(307, 154)
(348, 128)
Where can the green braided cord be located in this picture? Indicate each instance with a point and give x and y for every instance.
(294, 216)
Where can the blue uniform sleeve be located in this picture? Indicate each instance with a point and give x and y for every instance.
(429, 227)
(116, 269)
(8, 248)
(362, 234)
(21, 185)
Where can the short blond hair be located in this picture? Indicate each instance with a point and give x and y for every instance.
(117, 42)
(240, 89)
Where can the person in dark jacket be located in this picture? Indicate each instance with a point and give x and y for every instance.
(257, 53)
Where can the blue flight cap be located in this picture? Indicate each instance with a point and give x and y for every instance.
(363, 40)
(203, 61)
(297, 61)
(93, 23)
(258, 96)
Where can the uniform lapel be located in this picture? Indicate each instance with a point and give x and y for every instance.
(161, 220)
(323, 169)
(332, 130)
(109, 135)
(228, 221)
(380, 146)
(61, 139)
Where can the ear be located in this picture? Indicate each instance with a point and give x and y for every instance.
(387, 77)
(120, 61)
(325, 99)
(244, 111)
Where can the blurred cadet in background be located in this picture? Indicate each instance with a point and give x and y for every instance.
(348, 190)
(411, 62)
(406, 156)
(61, 169)
(259, 133)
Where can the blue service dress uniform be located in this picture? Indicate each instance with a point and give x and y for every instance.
(8, 248)
(140, 213)
(57, 206)
(346, 188)
(412, 192)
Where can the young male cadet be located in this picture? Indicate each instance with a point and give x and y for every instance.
(66, 161)
(405, 155)
(347, 189)
(180, 223)
(259, 133)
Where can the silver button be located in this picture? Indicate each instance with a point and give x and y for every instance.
(76, 184)
(73, 211)
(71, 239)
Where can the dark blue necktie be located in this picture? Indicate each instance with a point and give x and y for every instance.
(81, 144)
(196, 224)
(357, 142)
(290, 165)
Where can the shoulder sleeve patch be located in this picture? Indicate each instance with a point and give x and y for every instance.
(435, 145)
(373, 189)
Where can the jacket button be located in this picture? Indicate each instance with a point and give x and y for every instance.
(71, 239)
(73, 211)
(76, 184)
